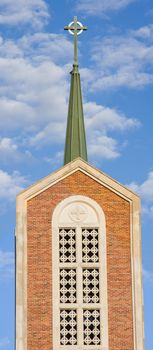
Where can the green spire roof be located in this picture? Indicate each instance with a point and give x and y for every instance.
(75, 144)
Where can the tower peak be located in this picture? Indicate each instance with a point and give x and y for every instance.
(75, 144)
(75, 28)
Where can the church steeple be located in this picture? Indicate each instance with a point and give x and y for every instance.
(75, 143)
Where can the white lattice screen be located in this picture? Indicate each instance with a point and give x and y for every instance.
(85, 268)
(79, 290)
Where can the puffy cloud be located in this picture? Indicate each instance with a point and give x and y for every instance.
(38, 47)
(145, 32)
(21, 12)
(123, 60)
(103, 147)
(55, 160)
(6, 265)
(53, 133)
(146, 192)
(8, 149)
(148, 275)
(98, 7)
(7, 145)
(11, 184)
(145, 189)
(33, 87)
(42, 46)
(100, 121)
(34, 94)
(103, 118)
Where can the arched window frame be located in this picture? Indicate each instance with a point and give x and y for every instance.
(95, 219)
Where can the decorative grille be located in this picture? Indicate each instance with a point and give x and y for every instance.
(90, 245)
(67, 245)
(68, 327)
(67, 285)
(91, 327)
(86, 269)
(91, 286)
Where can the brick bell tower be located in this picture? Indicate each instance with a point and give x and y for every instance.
(78, 252)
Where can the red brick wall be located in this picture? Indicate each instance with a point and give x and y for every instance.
(39, 215)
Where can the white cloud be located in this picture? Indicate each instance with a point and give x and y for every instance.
(9, 151)
(100, 121)
(42, 46)
(33, 87)
(38, 47)
(6, 264)
(98, 7)
(145, 32)
(4, 342)
(146, 192)
(103, 118)
(10, 184)
(53, 133)
(55, 160)
(35, 94)
(9, 48)
(145, 189)
(123, 60)
(7, 145)
(103, 147)
(8, 148)
(148, 275)
(21, 12)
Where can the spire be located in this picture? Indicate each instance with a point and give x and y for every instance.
(75, 143)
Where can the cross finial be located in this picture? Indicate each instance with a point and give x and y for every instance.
(75, 28)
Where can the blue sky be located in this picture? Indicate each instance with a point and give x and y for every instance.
(116, 65)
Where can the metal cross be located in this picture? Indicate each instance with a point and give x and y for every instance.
(75, 28)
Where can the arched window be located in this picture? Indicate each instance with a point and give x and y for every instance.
(80, 315)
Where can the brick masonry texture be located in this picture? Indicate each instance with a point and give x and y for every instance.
(39, 223)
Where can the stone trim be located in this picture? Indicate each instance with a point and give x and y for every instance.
(21, 275)
(136, 264)
(69, 169)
